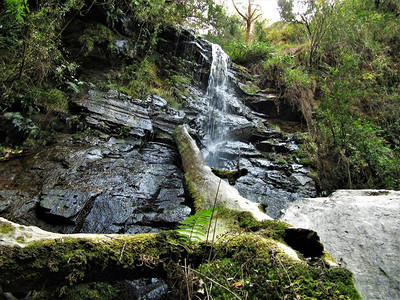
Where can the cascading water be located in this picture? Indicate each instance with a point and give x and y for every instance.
(224, 110)
(216, 127)
(232, 136)
(217, 93)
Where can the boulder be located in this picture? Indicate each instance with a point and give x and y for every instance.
(361, 229)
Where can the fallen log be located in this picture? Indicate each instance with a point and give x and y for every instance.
(203, 186)
(42, 265)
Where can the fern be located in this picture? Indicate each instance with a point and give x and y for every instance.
(195, 227)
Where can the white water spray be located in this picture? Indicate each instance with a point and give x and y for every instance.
(217, 94)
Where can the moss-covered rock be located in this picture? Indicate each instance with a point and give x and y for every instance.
(253, 267)
(231, 175)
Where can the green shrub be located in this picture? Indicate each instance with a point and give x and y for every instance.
(249, 54)
(294, 84)
(274, 69)
(96, 34)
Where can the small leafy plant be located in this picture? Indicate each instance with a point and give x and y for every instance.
(196, 227)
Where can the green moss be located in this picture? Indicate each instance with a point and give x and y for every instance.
(67, 262)
(182, 147)
(327, 256)
(6, 228)
(191, 188)
(93, 290)
(245, 222)
(274, 229)
(247, 264)
(231, 175)
(249, 267)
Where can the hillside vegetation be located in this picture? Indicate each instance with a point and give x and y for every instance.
(338, 63)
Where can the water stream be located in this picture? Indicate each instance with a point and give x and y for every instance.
(222, 102)
(228, 141)
(217, 94)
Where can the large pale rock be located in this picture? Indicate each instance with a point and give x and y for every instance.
(361, 229)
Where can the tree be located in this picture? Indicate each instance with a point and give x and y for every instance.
(252, 14)
(316, 16)
(285, 8)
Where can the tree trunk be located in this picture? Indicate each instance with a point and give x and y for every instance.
(248, 29)
(202, 184)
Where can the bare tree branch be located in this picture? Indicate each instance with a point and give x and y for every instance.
(253, 13)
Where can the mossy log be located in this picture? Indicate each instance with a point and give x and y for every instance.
(204, 186)
(257, 265)
(32, 259)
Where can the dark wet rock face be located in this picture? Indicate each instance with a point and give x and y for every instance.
(125, 180)
(103, 184)
(117, 113)
(231, 134)
(274, 178)
(273, 184)
(185, 48)
(112, 110)
(146, 289)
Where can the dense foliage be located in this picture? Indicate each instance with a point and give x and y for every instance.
(337, 62)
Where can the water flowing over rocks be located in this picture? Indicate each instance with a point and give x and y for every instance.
(231, 134)
(361, 229)
(115, 168)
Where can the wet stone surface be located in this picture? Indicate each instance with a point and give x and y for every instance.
(94, 184)
(265, 152)
(275, 185)
(128, 179)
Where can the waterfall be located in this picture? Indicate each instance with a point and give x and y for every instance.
(218, 96)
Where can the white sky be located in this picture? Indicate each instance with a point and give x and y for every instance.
(269, 8)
